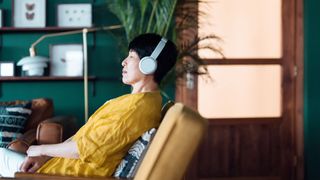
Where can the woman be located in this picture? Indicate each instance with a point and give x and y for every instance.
(98, 147)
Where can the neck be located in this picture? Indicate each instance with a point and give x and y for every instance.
(140, 87)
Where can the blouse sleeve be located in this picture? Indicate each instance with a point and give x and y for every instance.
(109, 135)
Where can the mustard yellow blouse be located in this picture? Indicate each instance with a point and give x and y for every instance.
(106, 137)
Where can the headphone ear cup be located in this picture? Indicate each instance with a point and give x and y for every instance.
(147, 65)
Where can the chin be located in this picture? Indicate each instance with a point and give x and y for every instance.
(125, 82)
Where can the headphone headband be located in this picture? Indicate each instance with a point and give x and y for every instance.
(159, 48)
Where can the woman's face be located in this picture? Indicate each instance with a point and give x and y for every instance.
(130, 71)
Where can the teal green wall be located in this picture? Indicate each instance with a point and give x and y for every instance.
(104, 62)
(312, 88)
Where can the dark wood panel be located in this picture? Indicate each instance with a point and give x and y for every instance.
(240, 150)
(299, 125)
(288, 86)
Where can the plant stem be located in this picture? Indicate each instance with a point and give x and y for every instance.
(152, 14)
(170, 17)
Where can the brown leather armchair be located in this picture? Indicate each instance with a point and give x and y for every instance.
(42, 127)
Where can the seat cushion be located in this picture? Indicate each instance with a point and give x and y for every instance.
(128, 166)
(13, 117)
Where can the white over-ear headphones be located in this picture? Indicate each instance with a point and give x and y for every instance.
(148, 64)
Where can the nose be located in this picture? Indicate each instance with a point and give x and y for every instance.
(124, 62)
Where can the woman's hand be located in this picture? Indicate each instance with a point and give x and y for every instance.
(34, 151)
(32, 164)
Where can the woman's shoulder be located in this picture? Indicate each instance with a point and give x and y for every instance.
(134, 101)
(141, 99)
(139, 96)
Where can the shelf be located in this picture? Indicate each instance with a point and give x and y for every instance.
(44, 29)
(45, 78)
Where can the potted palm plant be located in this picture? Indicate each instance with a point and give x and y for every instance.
(174, 19)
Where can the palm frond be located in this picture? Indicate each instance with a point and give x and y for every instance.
(179, 17)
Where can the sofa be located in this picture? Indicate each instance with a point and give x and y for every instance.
(42, 127)
(170, 151)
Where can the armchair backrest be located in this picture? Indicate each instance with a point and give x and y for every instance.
(42, 108)
(173, 146)
(165, 108)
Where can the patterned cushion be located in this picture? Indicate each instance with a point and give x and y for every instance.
(13, 117)
(129, 165)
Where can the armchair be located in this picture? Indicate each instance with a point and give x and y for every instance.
(170, 152)
(42, 127)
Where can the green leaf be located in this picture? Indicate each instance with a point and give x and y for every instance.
(171, 18)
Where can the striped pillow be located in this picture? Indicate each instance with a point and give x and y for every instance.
(130, 163)
(12, 121)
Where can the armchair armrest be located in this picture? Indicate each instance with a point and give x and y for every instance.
(56, 129)
(22, 143)
(49, 133)
(36, 176)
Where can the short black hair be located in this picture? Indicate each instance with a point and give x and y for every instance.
(144, 45)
